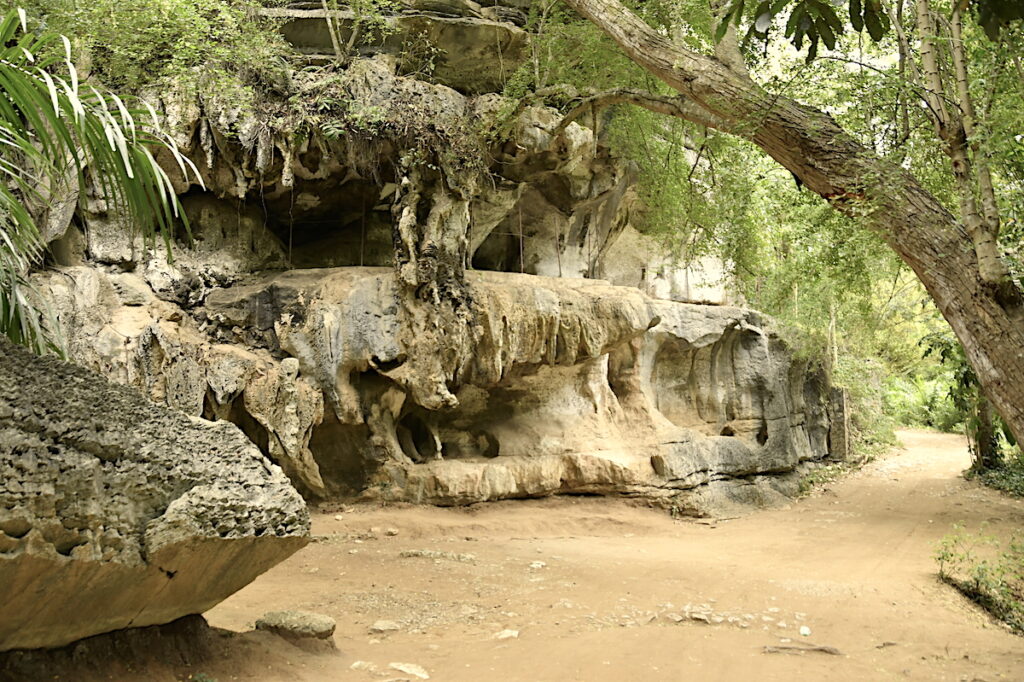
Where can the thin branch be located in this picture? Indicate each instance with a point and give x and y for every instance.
(677, 106)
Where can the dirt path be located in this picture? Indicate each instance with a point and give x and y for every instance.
(594, 588)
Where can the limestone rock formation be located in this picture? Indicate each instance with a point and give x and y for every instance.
(461, 44)
(117, 512)
(408, 300)
(566, 385)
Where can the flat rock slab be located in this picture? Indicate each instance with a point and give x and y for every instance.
(297, 624)
(116, 512)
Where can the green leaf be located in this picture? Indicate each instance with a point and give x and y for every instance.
(738, 14)
(722, 27)
(825, 31)
(812, 51)
(50, 126)
(794, 21)
(876, 21)
(828, 13)
(856, 15)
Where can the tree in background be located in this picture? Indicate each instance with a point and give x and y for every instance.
(977, 297)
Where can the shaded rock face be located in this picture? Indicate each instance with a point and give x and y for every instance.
(457, 43)
(118, 512)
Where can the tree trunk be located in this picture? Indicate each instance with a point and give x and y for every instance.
(986, 456)
(809, 143)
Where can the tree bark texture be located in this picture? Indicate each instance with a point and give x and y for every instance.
(810, 144)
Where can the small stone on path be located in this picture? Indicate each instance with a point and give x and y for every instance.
(297, 624)
(410, 669)
(385, 626)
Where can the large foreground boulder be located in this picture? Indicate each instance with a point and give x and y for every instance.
(116, 512)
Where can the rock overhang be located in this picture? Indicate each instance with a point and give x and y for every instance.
(116, 512)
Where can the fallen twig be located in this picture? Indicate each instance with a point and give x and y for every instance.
(802, 649)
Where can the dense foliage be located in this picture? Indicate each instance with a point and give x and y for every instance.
(221, 48)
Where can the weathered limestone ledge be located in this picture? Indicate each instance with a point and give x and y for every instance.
(465, 46)
(565, 386)
(117, 512)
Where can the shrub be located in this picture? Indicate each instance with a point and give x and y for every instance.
(987, 571)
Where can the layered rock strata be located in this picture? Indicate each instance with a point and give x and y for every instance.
(117, 512)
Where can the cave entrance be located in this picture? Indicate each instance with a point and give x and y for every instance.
(332, 223)
(417, 439)
(318, 223)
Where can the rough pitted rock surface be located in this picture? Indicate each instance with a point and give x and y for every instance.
(116, 512)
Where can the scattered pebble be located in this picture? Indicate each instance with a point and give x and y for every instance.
(537, 564)
(434, 554)
(339, 517)
(364, 665)
(391, 532)
(385, 626)
(410, 669)
(674, 617)
(507, 634)
(805, 631)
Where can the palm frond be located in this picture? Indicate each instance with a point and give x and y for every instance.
(51, 124)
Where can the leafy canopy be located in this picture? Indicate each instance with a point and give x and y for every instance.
(822, 22)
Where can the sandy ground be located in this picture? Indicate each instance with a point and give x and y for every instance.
(603, 589)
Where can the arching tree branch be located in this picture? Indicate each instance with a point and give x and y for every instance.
(676, 106)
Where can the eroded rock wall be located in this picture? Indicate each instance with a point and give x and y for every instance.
(566, 386)
(118, 512)
(404, 301)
